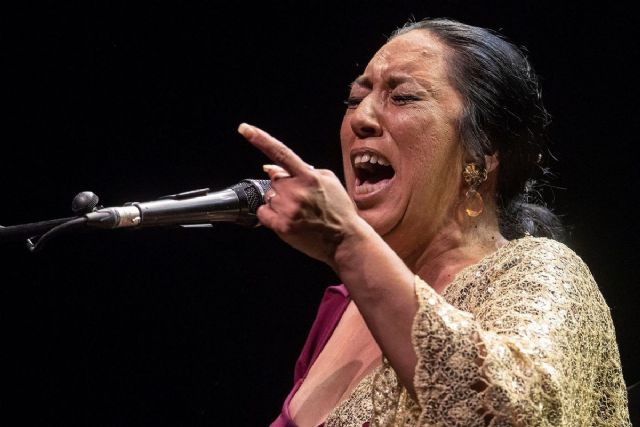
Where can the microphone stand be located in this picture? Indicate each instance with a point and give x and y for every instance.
(21, 231)
(197, 208)
(42, 231)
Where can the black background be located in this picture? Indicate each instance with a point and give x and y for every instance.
(186, 327)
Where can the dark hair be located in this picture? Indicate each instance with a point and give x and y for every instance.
(503, 113)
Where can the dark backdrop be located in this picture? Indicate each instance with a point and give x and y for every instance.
(186, 327)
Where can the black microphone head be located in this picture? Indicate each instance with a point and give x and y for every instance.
(251, 194)
(84, 202)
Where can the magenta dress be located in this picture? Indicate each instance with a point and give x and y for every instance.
(334, 302)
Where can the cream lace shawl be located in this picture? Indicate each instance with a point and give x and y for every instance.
(524, 338)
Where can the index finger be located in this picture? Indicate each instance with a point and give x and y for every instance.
(274, 149)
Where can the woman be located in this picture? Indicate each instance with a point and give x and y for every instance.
(453, 313)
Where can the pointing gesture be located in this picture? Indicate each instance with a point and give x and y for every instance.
(275, 150)
(308, 208)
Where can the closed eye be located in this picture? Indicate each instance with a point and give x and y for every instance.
(404, 99)
(352, 102)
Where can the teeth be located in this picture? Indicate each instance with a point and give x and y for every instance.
(370, 158)
(365, 188)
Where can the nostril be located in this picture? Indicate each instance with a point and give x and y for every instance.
(368, 130)
(365, 127)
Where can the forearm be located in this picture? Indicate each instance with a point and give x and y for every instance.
(382, 287)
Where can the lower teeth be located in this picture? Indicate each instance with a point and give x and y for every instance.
(367, 187)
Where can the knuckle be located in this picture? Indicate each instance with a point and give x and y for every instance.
(281, 154)
(296, 214)
(326, 173)
(302, 197)
(263, 217)
(284, 227)
(291, 211)
(312, 179)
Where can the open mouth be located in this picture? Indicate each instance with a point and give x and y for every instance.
(372, 170)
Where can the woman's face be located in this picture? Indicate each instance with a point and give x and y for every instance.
(400, 147)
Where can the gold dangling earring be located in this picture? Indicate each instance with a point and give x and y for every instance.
(474, 175)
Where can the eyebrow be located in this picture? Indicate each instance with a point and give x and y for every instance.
(392, 82)
(396, 80)
(363, 81)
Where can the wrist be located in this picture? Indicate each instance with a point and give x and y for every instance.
(352, 245)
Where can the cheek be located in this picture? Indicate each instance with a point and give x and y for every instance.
(432, 158)
(434, 134)
(420, 144)
(414, 127)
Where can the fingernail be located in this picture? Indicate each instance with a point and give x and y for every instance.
(246, 130)
(268, 168)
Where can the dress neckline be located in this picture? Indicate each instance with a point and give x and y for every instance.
(328, 333)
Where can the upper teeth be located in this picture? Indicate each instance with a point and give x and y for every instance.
(370, 158)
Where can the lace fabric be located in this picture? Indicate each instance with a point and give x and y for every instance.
(523, 338)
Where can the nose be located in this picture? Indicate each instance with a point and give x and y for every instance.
(364, 120)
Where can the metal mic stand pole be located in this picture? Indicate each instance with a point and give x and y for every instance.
(83, 203)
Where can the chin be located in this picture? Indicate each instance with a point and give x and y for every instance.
(381, 222)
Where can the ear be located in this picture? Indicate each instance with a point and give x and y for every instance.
(491, 162)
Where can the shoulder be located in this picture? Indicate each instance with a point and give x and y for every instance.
(540, 248)
(537, 255)
(526, 270)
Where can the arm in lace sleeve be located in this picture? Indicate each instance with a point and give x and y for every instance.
(539, 348)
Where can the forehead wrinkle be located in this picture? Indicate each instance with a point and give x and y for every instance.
(418, 62)
(412, 57)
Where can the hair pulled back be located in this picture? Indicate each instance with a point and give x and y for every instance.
(502, 113)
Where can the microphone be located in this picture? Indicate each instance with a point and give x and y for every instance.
(236, 204)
